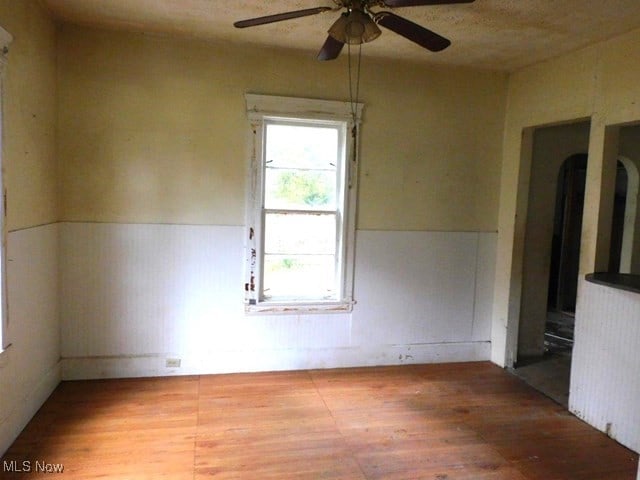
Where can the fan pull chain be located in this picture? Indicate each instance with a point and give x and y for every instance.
(354, 108)
(354, 101)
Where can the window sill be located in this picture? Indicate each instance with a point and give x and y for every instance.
(278, 308)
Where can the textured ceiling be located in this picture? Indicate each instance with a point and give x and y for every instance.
(492, 34)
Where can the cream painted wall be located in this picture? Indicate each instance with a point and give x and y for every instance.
(153, 130)
(29, 150)
(30, 367)
(597, 82)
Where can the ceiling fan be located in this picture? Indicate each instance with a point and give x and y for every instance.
(359, 24)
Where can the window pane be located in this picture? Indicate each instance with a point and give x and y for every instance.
(307, 147)
(302, 184)
(298, 234)
(300, 189)
(299, 276)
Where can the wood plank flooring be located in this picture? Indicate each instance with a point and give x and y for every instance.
(432, 422)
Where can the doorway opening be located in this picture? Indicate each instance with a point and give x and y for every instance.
(565, 256)
(550, 372)
(618, 217)
(625, 218)
(551, 257)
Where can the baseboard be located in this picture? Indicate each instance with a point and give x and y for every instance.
(24, 410)
(236, 361)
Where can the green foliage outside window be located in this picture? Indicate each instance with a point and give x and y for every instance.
(308, 188)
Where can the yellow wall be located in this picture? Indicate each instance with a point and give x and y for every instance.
(30, 368)
(153, 130)
(599, 82)
(29, 153)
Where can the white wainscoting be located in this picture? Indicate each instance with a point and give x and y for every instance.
(134, 295)
(605, 375)
(30, 368)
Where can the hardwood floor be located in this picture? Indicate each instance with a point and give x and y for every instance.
(436, 422)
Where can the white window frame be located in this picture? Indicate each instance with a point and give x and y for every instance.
(5, 40)
(261, 110)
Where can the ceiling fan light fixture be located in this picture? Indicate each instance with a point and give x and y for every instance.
(354, 27)
(358, 24)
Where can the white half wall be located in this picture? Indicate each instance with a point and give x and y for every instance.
(30, 367)
(133, 295)
(605, 384)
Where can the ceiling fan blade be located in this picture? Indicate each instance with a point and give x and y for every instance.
(412, 31)
(278, 17)
(417, 3)
(331, 49)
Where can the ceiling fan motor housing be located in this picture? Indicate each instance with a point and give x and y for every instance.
(354, 27)
(358, 24)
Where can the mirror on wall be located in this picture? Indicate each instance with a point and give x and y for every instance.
(624, 253)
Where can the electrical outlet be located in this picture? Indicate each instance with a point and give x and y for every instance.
(173, 363)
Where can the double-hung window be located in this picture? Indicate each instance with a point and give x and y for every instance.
(301, 205)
